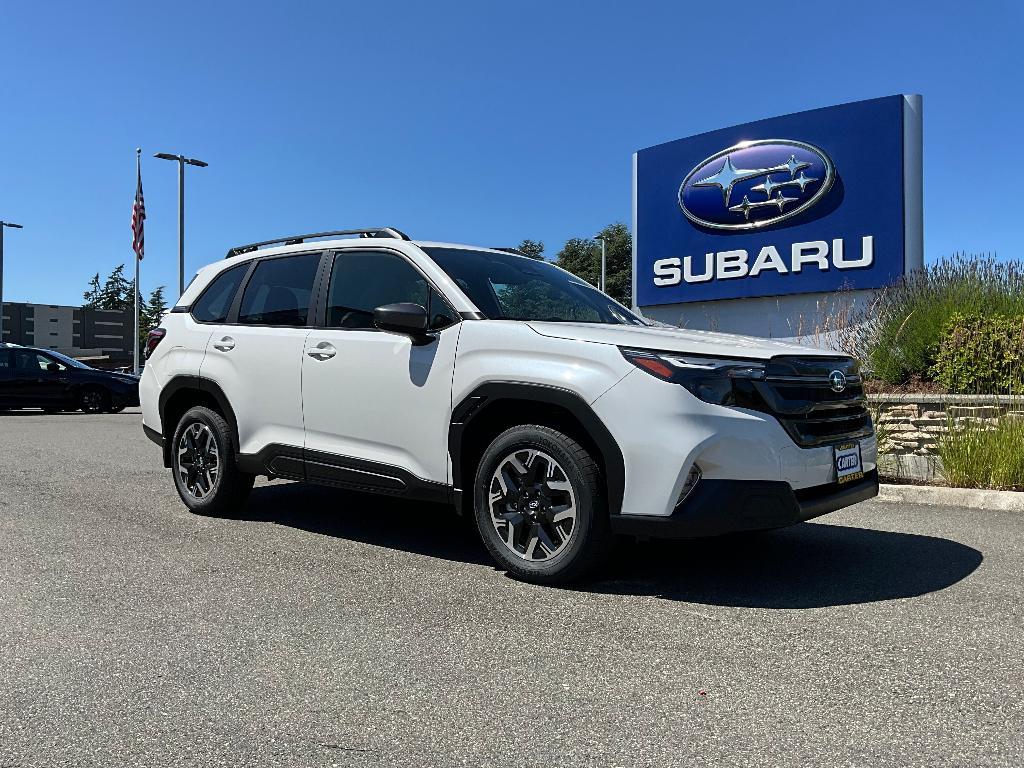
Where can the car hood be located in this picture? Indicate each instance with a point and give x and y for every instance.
(675, 340)
(109, 376)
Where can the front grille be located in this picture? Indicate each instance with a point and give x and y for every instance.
(797, 391)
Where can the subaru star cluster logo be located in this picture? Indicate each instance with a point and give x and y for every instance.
(755, 184)
(837, 380)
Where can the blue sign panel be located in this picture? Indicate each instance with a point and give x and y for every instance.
(796, 204)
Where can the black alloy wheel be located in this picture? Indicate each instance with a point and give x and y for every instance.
(94, 400)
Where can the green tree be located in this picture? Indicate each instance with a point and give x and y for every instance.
(154, 308)
(116, 292)
(582, 257)
(151, 312)
(92, 296)
(532, 248)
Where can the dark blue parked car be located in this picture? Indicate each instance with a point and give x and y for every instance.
(42, 378)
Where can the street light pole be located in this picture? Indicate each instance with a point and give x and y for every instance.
(181, 228)
(12, 225)
(181, 160)
(603, 250)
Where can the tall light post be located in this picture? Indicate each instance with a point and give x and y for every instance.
(603, 250)
(182, 160)
(12, 225)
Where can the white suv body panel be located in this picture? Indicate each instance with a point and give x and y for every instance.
(673, 340)
(260, 371)
(511, 351)
(385, 400)
(182, 355)
(382, 398)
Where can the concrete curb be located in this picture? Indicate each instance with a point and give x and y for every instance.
(996, 501)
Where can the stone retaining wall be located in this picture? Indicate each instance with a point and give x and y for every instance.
(909, 426)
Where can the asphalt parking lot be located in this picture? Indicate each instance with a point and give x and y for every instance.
(329, 628)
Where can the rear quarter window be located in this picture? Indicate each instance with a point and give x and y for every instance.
(215, 302)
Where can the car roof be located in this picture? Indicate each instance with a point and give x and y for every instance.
(441, 279)
(354, 242)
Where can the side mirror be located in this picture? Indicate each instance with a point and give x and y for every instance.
(53, 368)
(410, 319)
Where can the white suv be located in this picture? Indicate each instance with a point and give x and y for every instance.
(498, 383)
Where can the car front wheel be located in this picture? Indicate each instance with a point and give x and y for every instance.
(203, 462)
(94, 400)
(540, 507)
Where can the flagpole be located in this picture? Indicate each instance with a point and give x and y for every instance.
(135, 337)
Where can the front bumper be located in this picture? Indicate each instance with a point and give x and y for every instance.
(715, 507)
(663, 430)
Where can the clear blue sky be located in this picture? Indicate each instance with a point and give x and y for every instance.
(474, 122)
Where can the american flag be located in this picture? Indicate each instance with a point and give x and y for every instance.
(138, 219)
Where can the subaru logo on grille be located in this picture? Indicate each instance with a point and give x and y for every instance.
(837, 380)
(755, 184)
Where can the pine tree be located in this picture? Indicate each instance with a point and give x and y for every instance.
(151, 313)
(128, 302)
(155, 308)
(116, 292)
(92, 296)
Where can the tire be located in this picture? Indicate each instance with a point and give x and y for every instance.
(115, 409)
(94, 400)
(202, 441)
(540, 506)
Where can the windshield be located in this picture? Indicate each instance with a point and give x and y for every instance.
(509, 287)
(68, 360)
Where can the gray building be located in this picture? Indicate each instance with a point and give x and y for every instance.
(101, 337)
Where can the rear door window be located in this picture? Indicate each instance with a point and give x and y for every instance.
(279, 291)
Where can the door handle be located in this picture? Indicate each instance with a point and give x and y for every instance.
(224, 345)
(322, 351)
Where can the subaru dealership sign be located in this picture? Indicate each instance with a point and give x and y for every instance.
(817, 201)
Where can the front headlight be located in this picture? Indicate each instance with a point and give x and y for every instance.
(717, 380)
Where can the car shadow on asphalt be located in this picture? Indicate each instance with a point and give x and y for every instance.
(417, 527)
(810, 565)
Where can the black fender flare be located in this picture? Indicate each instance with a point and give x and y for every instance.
(177, 384)
(477, 401)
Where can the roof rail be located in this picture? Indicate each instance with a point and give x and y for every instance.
(391, 232)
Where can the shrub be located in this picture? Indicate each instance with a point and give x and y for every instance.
(981, 355)
(981, 454)
(897, 336)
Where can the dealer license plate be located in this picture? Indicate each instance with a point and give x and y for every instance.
(849, 466)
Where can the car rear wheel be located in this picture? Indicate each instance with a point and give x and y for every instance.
(539, 505)
(94, 400)
(203, 463)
